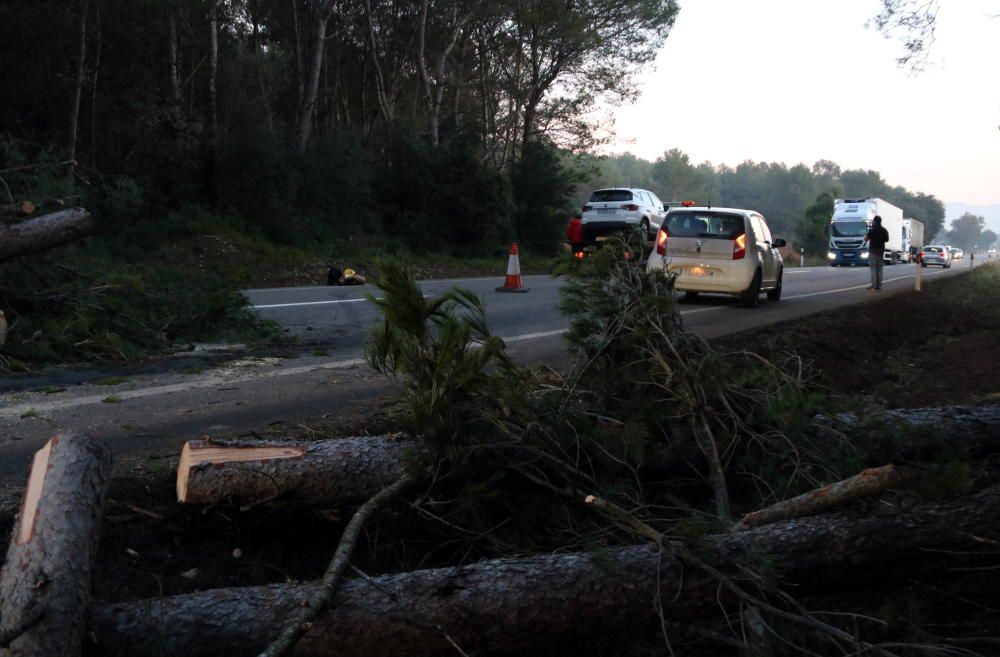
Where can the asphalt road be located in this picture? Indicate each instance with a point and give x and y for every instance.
(146, 413)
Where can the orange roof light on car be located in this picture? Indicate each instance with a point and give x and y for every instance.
(687, 204)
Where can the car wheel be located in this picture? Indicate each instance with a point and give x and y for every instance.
(775, 294)
(751, 295)
(690, 296)
(644, 225)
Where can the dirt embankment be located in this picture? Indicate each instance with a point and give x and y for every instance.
(940, 346)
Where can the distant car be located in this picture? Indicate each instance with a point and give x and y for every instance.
(991, 252)
(935, 255)
(618, 208)
(722, 250)
(956, 253)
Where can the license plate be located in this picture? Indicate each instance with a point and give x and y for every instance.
(605, 210)
(698, 271)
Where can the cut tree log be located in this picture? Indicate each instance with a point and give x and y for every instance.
(334, 471)
(47, 573)
(507, 604)
(44, 232)
(867, 483)
(320, 472)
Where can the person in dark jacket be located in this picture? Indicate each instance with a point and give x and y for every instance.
(876, 240)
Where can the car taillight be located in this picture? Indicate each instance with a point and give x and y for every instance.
(740, 247)
(588, 208)
(661, 243)
(631, 207)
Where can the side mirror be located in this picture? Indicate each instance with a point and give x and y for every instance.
(778, 243)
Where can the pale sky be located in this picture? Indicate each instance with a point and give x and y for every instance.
(801, 80)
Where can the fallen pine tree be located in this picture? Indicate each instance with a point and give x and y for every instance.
(507, 604)
(317, 472)
(45, 584)
(348, 469)
(44, 232)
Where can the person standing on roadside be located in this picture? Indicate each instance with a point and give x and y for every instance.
(574, 234)
(876, 239)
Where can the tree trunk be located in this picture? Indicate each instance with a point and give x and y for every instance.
(299, 64)
(93, 89)
(172, 62)
(44, 232)
(213, 74)
(506, 604)
(53, 545)
(320, 472)
(384, 104)
(331, 471)
(265, 96)
(312, 84)
(74, 113)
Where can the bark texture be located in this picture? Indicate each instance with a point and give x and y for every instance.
(347, 469)
(506, 604)
(320, 472)
(52, 548)
(44, 232)
(867, 483)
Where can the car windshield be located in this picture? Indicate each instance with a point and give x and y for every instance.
(610, 195)
(934, 249)
(849, 228)
(705, 224)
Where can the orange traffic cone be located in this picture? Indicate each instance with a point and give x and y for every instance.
(512, 283)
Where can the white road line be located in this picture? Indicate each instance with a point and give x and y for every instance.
(318, 303)
(534, 336)
(307, 303)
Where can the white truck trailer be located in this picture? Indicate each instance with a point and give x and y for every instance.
(850, 223)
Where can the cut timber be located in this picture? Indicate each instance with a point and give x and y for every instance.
(47, 572)
(320, 472)
(332, 471)
(868, 483)
(507, 604)
(44, 232)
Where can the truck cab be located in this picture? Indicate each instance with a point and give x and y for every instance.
(852, 218)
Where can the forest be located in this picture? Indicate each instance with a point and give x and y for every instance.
(211, 139)
(419, 124)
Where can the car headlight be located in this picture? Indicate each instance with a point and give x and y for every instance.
(864, 255)
(831, 256)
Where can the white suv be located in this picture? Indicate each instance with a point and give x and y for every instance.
(617, 208)
(724, 250)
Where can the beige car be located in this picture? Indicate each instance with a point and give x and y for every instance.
(722, 250)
